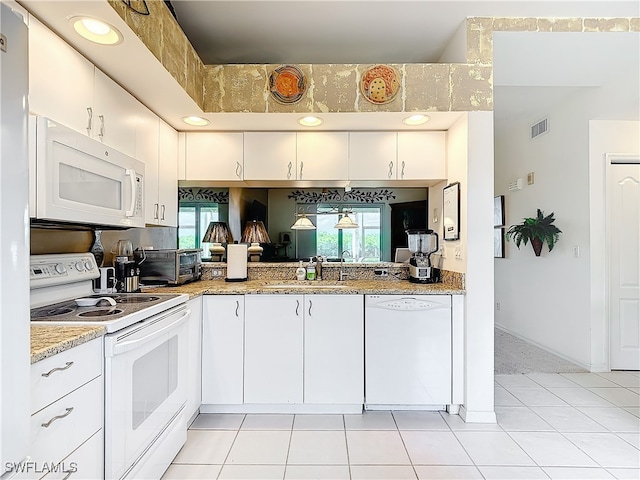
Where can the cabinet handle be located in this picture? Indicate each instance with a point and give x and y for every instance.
(301, 167)
(237, 307)
(162, 212)
(390, 169)
(402, 173)
(58, 417)
(289, 171)
(238, 169)
(101, 134)
(155, 210)
(310, 305)
(89, 120)
(297, 307)
(57, 369)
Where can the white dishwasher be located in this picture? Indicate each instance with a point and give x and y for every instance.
(407, 351)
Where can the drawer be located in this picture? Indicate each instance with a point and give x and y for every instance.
(79, 416)
(56, 376)
(84, 463)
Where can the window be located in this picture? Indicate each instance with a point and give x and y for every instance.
(364, 242)
(193, 220)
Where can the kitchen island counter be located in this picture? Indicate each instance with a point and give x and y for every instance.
(49, 340)
(348, 287)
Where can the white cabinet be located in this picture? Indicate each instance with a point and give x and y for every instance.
(194, 360)
(214, 156)
(67, 408)
(270, 156)
(373, 155)
(223, 349)
(60, 79)
(273, 370)
(322, 155)
(114, 115)
(333, 349)
(422, 155)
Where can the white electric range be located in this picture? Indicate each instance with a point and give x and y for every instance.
(145, 365)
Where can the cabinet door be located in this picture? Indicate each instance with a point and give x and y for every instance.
(372, 155)
(323, 155)
(194, 362)
(60, 79)
(273, 349)
(168, 176)
(147, 151)
(421, 155)
(334, 349)
(114, 115)
(214, 156)
(270, 156)
(222, 349)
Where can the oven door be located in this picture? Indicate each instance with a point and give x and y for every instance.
(145, 387)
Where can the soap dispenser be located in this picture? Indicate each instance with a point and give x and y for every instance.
(301, 272)
(311, 270)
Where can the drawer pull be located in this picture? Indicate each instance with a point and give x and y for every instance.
(58, 369)
(58, 417)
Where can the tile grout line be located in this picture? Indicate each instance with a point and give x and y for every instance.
(224, 462)
(404, 445)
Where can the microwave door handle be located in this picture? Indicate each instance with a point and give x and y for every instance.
(124, 347)
(132, 178)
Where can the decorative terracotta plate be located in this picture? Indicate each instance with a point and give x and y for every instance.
(287, 84)
(380, 84)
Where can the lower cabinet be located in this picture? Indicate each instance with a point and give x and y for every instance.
(282, 350)
(273, 343)
(223, 349)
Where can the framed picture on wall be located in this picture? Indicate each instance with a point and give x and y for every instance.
(451, 211)
(498, 243)
(498, 211)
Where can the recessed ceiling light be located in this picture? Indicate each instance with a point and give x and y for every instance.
(310, 121)
(195, 121)
(96, 30)
(416, 119)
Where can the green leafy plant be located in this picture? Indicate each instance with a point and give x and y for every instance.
(537, 230)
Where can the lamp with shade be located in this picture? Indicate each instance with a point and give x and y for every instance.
(255, 233)
(217, 233)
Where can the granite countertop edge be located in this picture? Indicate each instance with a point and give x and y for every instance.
(49, 340)
(292, 287)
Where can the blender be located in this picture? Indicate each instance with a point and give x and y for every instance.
(422, 243)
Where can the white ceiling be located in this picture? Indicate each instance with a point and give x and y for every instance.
(335, 31)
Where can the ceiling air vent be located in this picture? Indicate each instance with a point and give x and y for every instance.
(539, 128)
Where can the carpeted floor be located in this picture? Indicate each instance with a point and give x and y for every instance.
(513, 355)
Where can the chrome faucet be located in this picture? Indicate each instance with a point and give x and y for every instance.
(342, 274)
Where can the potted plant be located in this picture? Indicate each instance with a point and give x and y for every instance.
(537, 230)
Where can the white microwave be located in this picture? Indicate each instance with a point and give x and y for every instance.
(77, 179)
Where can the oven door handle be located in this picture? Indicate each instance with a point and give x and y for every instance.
(124, 347)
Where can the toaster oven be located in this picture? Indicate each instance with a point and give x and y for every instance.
(169, 266)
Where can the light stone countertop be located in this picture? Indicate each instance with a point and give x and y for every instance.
(295, 287)
(48, 340)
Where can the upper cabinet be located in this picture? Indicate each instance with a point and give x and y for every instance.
(323, 155)
(270, 156)
(422, 155)
(60, 80)
(214, 156)
(373, 155)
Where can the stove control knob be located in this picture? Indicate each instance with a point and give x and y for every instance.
(60, 268)
(80, 266)
(88, 265)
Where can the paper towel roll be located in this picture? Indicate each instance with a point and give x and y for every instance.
(236, 262)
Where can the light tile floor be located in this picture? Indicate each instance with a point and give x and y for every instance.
(551, 426)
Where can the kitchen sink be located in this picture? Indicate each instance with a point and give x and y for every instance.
(311, 286)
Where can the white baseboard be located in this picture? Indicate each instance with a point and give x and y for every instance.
(282, 408)
(477, 417)
(545, 348)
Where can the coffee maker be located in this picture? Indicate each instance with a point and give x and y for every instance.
(422, 243)
(127, 271)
